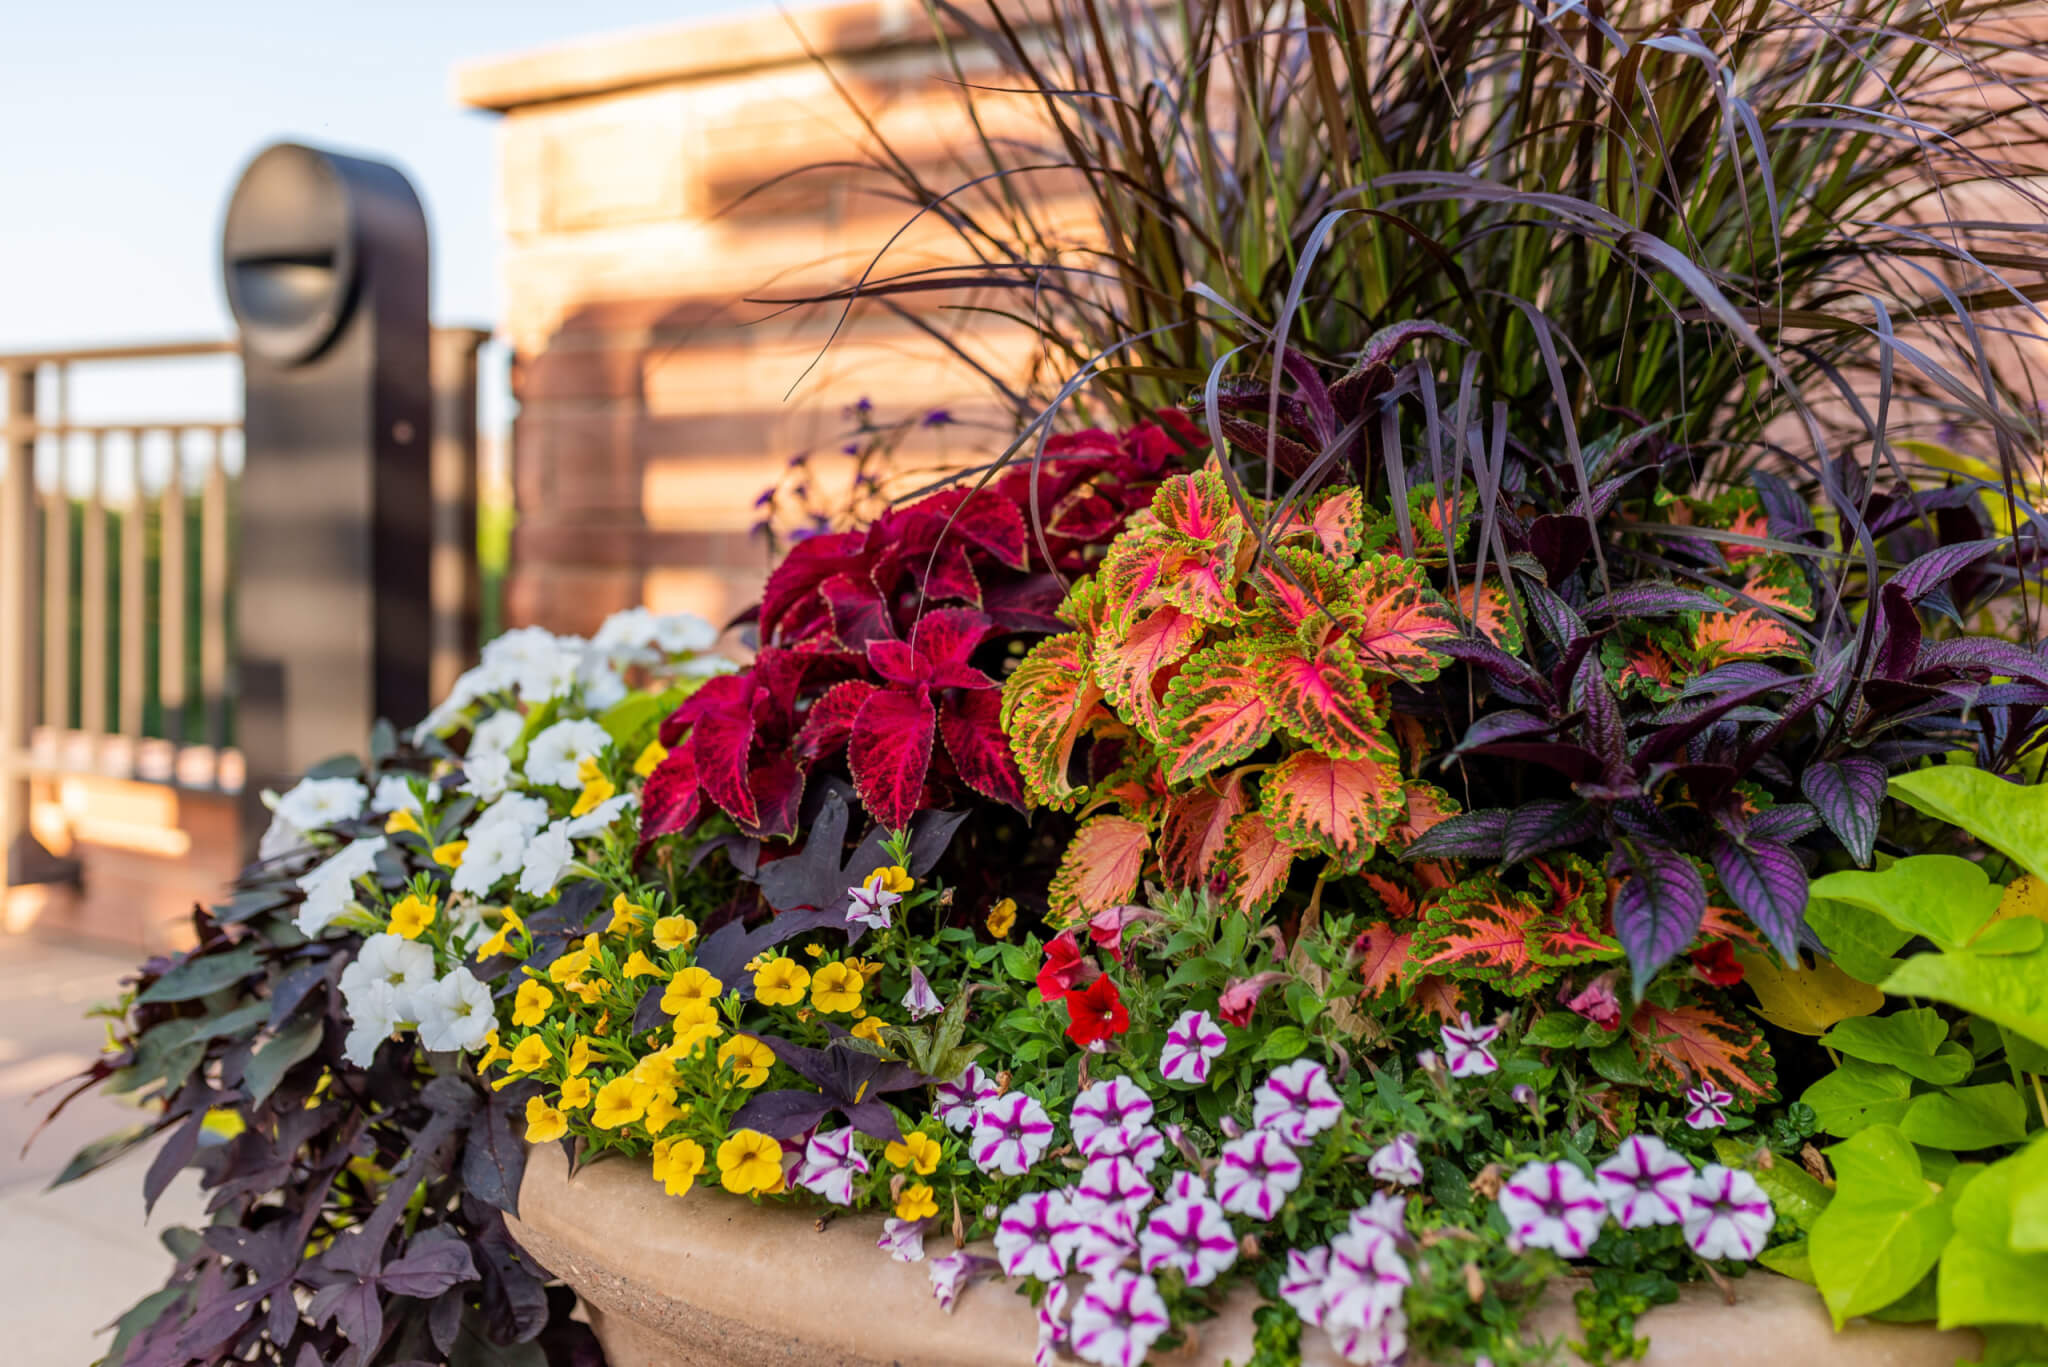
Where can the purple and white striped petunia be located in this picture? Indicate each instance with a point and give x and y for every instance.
(1193, 1044)
(1729, 1216)
(1115, 1182)
(870, 907)
(1052, 1325)
(920, 1001)
(1645, 1183)
(1368, 1278)
(1107, 1104)
(1380, 1345)
(1465, 1047)
(1255, 1173)
(1098, 1237)
(1141, 1144)
(1296, 1102)
(1553, 1206)
(1397, 1162)
(1709, 1106)
(830, 1163)
(960, 1099)
(1025, 1235)
(951, 1273)
(902, 1240)
(1192, 1237)
(1382, 1211)
(1305, 1283)
(1186, 1186)
(1010, 1134)
(1120, 1317)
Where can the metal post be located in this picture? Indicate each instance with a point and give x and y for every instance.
(18, 583)
(455, 585)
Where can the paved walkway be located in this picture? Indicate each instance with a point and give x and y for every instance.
(73, 1259)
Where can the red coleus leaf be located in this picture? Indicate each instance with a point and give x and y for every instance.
(1397, 619)
(790, 605)
(1065, 968)
(946, 640)
(1323, 700)
(970, 723)
(1095, 1013)
(947, 573)
(859, 614)
(722, 743)
(1384, 958)
(1337, 523)
(1197, 826)
(890, 752)
(1716, 964)
(1746, 635)
(1128, 668)
(1300, 592)
(777, 785)
(1481, 928)
(1397, 900)
(1342, 807)
(672, 800)
(1428, 806)
(1101, 867)
(1257, 863)
(1049, 701)
(1682, 1045)
(1215, 711)
(830, 720)
(1196, 506)
(1441, 997)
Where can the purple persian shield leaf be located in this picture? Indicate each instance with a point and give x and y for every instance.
(1788, 821)
(1603, 725)
(1766, 880)
(1937, 567)
(1740, 674)
(1547, 824)
(1554, 617)
(1658, 908)
(1496, 727)
(1986, 654)
(1469, 835)
(1503, 669)
(1898, 654)
(1849, 795)
(1653, 600)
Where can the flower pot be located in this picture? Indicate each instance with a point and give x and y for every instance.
(712, 1280)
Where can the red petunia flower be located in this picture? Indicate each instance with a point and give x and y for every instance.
(1716, 963)
(1096, 1012)
(1064, 969)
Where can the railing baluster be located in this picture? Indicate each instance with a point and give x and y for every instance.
(57, 600)
(170, 604)
(92, 606)
(213, 609)
(132, 675)
(17, 609)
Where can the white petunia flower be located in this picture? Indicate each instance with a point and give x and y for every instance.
(487, 776)
(1730, 1217)
(395, 793)
(1025, 1235)
(1707, 1106)
(1255, 1173)
(830, 1163)
(599, 681)
(406, 966)
(1192, 1237)
(555, 755)
(1120, 1317)
(1052, 1325)
(469, 686)
(1186, 1186)
(1368, 1278)
(455, 1013)
(1465, 1047)
(495, 734)
(547, 856)
(1553, 1206)
(1115, 1182)
(1011, 1133)
(951, 1273)
(1382, 1345)
(902, 1240)
(870, 906)
(1193, 1044)
(920, 1001)
(1383, 1212)
(1305, 1284)
(374, 1013)
(532, 661)
(1397, 1162)
(1645, 1183)
(1107, 1105)
(317, 803)
(599, 818)
(1141, 1144)
(330, 887)
(958, 1102)
(1297, 1102)
(1097, 1237)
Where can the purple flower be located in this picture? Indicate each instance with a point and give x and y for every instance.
(1118, 1320)
(1296, 1102)
(902, 1240)
(1141, 1144)
(1052, 1325)
(1305, 1281)
(870, 907)
(1193, 1044)
(1368, 1277)
(1254, 1174)
(1708, 1103)
(1098, 1237)
(1729, 1216)
(830, 1163)
(1115, 1182)
(1645, 1183)
(960, 1099)
(1397, 1162)
(938, 417)
(1553, 1206)
(1010, 1134)
(1379, 1345)
(1192, 1237)
(1107, 1104)
(951, 1273)
(1025, 1235)
(1465, 1047)
(920, 1000)
(1382, 1212)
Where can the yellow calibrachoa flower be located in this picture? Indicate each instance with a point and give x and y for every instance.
(530, 1004)
(620, 1102)
(626, 917)
(449, 856)
(411, 917)
(916, 1203)
(575, 1094)
(868, 1028)
(781, 982)
(501, 943)
(836, 987)
(544, 1122)
(663, 1112)
(581, 1055)
(403, 822)
(591, 991)
(750, 1161)
(650, 759)
(1002, 917)
(815, 951)
(918, 1151)
(673, 932)
(677, 1163)
(570, 966)
(894, 879)
(638, 965)
(691, 1038)
(596, 792)
(656, 1070)
(868, 969)
(493, 1051)
(529, 1054)
(693, 984)
(749, 1058)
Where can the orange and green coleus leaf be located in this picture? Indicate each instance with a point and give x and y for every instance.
(1197, 506)
(1395, 617)
(1216, 710)
(1486, 607)
(1128, 668)
(1681, 1045)
(1720, 637)
(1300, 592)
(1343, 807)
(1256, 863)
(1322, 697)
(1101, 867)
(1337, 523)
(1196, 830)
(1385, 958)
(1049, 702)
(1481, 928)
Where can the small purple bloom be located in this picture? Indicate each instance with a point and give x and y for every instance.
(1107, 1104)
(1193, 1044)
(1025, 1235)
(870, 906)
(1522, 1094)
(1296, 1102)
(1192, 1237)
(902, 1240)
(951, 1273)
(960, 1099)
(1645, 1183)
(1729, 1217)
(1427, 1061)
(1708, 1106)
(1465, 1047)
(1120, 1317)
(1304, 1284)
(1010, 1134)
(1368, 1278)
(1141, 1144)
(920, 1000)
(1116, 1182)
(1553, 1206)
(938, 417)
(1254, 1174)
(830, 1163)
(1384, 1212)
(1397, 1162)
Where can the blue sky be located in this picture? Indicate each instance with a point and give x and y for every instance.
(123, 125)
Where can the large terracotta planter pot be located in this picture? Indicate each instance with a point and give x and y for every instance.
(713, 1280)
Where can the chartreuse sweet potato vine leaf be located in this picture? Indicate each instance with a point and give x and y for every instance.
(1885, 1228)
(2011, 818)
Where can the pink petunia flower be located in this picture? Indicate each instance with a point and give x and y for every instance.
(1383, 1211)
(1010, 1134)
(1115, 1182)
(1297, 1102)
(1368, 1278)
(962, 1098)
(920, 1000)
(1192, 1237)
(1709, 1106)
(902, 1240)
(1729, 1216)
(1553, 1206)
(1254, 1174)
(1193, 1044)
(1305, 1283)
(1465, 1047)
(1106, 929)
(1397, 1162)
(1241, 998)
(1141, 1144)
(951, 1274)
(1120, 1317)
(1107, 1104)
(1596, 1002)
(830, 1163)
(1025, 1235)
(1645, 1183)
(1052, 1325)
